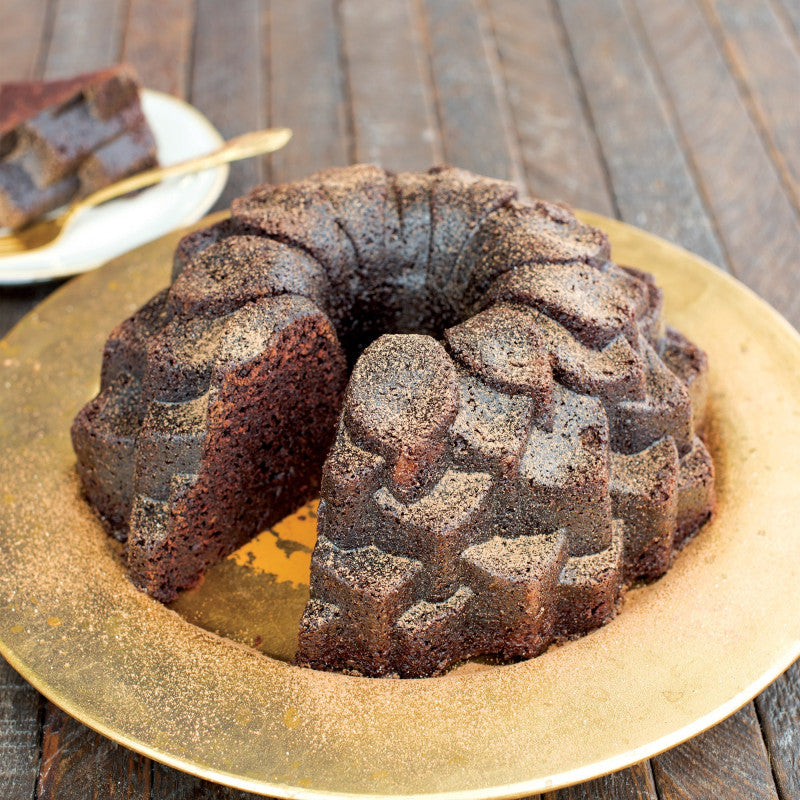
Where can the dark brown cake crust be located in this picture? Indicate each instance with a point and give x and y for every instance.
(520, 444)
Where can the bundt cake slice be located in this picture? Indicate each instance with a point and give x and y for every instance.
(68, 137)
(519, 439)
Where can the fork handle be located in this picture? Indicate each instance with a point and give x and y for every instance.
(249, 144)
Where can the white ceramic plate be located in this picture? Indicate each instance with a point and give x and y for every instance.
(181, 132)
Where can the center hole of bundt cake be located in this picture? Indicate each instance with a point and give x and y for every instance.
(242, 267)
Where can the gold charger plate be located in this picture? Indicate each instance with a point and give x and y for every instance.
(684, 653)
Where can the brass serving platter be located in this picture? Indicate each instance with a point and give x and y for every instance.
(684, 653)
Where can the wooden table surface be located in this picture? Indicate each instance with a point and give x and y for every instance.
(681, 117)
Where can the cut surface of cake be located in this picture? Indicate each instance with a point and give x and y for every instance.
(66, 138)
(503, 431)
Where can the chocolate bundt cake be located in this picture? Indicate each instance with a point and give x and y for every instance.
(518, 440)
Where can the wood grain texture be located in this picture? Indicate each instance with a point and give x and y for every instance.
(232, 96)
(754, 215)
(476, 128)
(20, 713)
(169, 784)
(559, 151)
(307, 89)
(765, 59)
(158, 42)
(23, 27)
(394, 121)
(791, 10)
(727, 761)
(635, 783)
(650, 175)
(78, 764)
(86, 35)
(779, 714)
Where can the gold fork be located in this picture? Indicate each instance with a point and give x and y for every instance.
(44, 233)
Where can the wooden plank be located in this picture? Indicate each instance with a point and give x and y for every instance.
(78, 764)
(158, 42)
(307, 88)
(766, 61)
(754, 215)
(559, 150)
(650, 176)
(791, 10)
(86, 35)
(394, 121)
(729, 760)
(169, 784)
(227, 81)
(779, 714)
(23, 28)
(473, 116)
(20, 711)
(635, 783)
